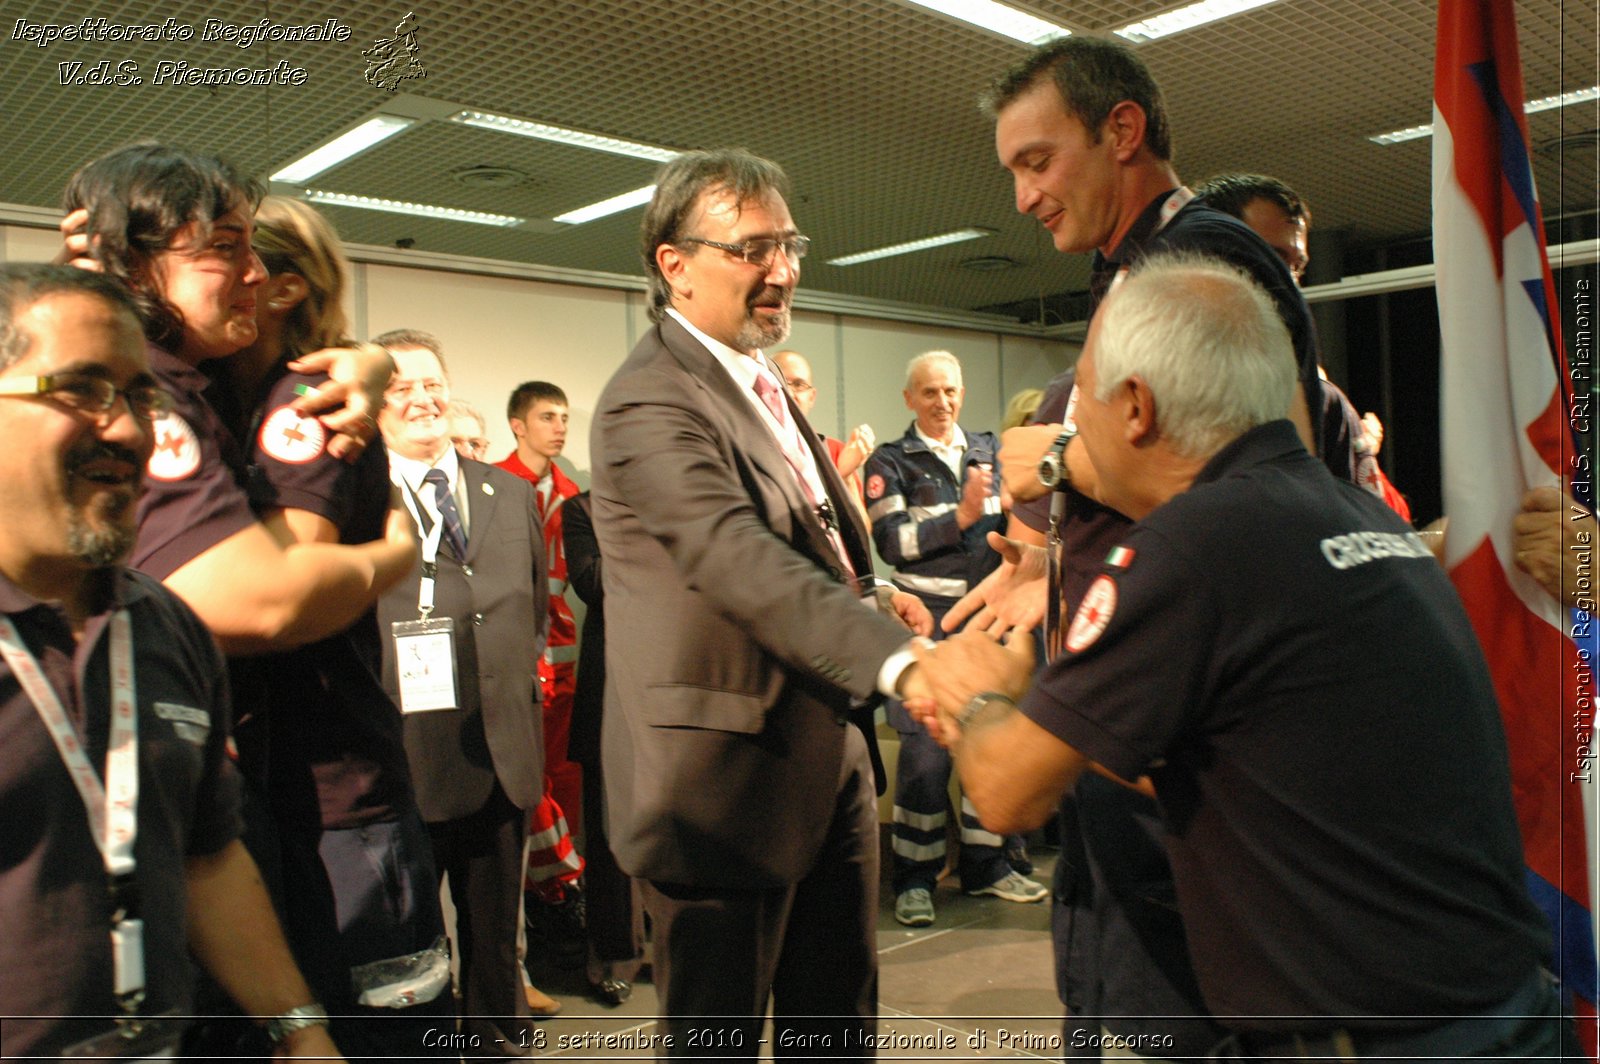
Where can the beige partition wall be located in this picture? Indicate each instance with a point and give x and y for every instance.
(500, 330)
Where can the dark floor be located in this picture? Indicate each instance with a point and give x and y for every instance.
(978, 983)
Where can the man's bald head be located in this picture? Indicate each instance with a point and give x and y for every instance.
(797, 376)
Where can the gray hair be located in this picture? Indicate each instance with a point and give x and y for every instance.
(462, 408)
(928, 358)
(679, 184)
(1209, 343)
(414, 338)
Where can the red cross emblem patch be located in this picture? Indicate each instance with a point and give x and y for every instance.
(1094, 613)
(176, 454)
(288, 437)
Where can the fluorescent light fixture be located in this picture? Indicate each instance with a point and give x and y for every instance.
(347, 145)
(1400, 136)
(998, 18)
(421, 210)
(1562, 99)
(637, 198)
(909, 246)
(1186, 18)
(561, 135)
(1544, 103)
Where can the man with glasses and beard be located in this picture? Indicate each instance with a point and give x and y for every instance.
(737, 644)
(103, 902)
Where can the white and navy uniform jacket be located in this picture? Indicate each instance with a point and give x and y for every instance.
(912, 497)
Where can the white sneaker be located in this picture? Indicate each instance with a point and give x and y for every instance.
(914, 907)
(1013, 887)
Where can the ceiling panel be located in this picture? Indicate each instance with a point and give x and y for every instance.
(869, 104)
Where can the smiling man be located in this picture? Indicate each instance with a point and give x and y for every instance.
(933, 498)
(1082, 127)
(736, 640)
(80, 401)
(477, 759)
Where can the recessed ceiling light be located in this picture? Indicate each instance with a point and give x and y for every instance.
(1543, 103)
(989, 263)
(562, 135)
(421, 210)
(1185, 18)
(998, 18)
(484, 176)
(637, 198)
(954, 237)
(346, 145)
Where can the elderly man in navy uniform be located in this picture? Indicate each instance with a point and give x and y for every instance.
(933, 498)
(1334, 907)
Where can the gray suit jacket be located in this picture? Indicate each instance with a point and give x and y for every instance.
(499, 600)
(734, 645)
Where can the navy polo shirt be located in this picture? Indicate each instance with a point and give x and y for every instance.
(55, 946)
(1289, 664)
(192, 496)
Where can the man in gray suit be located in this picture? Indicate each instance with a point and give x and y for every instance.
(737, 642)
(477, 761)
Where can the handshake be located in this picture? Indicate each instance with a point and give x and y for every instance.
(949, 675)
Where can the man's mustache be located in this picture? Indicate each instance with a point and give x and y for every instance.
(102, 450)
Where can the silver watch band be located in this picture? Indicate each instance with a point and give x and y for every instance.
(298, 1018)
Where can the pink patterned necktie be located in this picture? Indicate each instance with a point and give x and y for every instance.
(769, 395)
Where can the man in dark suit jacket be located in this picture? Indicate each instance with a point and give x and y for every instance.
(736, 639)
(476, 767)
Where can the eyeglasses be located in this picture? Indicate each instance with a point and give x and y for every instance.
(471, 446)
(760, 250)
(800, 387)
(82, 391)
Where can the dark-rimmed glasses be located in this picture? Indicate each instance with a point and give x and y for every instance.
(96, 395)
(760, 251)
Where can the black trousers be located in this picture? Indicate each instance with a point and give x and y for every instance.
(480, 855)
(809, 947)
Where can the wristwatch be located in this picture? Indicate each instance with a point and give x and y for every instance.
(978, 704)
(1053, 469)
(298, 1018)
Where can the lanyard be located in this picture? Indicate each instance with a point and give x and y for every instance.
(1169, 209)
(430, 543)
(111, 806)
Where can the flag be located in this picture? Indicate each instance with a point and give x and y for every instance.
(1506, 399)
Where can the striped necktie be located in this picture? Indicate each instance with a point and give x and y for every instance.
(454, 534)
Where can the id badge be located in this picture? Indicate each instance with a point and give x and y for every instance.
(425, 661)
(140, 1038)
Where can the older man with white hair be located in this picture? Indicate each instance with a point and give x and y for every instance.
(933, 498)
(1276, 655)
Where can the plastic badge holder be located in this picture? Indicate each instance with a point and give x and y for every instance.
(400, 982)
